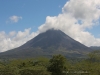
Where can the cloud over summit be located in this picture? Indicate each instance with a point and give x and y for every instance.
(76, 17)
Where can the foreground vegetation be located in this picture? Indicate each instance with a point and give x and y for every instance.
(57, 65)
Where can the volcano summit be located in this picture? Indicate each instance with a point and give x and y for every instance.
(47, 44)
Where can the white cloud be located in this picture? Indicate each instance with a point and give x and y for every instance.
(75, 11)
(12, 33)
(15, 19)
(76, 17)
(15, 39)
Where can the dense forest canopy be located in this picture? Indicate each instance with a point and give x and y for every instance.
(57, 65)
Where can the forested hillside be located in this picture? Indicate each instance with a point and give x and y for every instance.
(57, 65)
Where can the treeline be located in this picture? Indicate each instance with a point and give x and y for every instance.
(57, 65)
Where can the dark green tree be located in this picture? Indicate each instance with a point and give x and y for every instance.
(57, 65)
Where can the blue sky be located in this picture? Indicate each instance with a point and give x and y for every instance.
(22, 20)
(95, 31)
(33, 13)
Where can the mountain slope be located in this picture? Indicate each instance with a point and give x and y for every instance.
(48, 43)
(54, 38)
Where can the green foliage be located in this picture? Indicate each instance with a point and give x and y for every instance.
(94, 56)
(25, 67)
(57, 65)
(34, 71)
(41, 62)
(7, 70)
(91, 64)
(94, 62)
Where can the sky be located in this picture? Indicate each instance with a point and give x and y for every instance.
(22, 20)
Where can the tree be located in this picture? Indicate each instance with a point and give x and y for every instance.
(94, 61)
(94, 56)
(57, 65)
(34, 71)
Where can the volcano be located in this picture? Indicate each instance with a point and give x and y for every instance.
(47, 44)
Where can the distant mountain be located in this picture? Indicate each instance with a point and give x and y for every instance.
(95, 47)
(46, 44)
